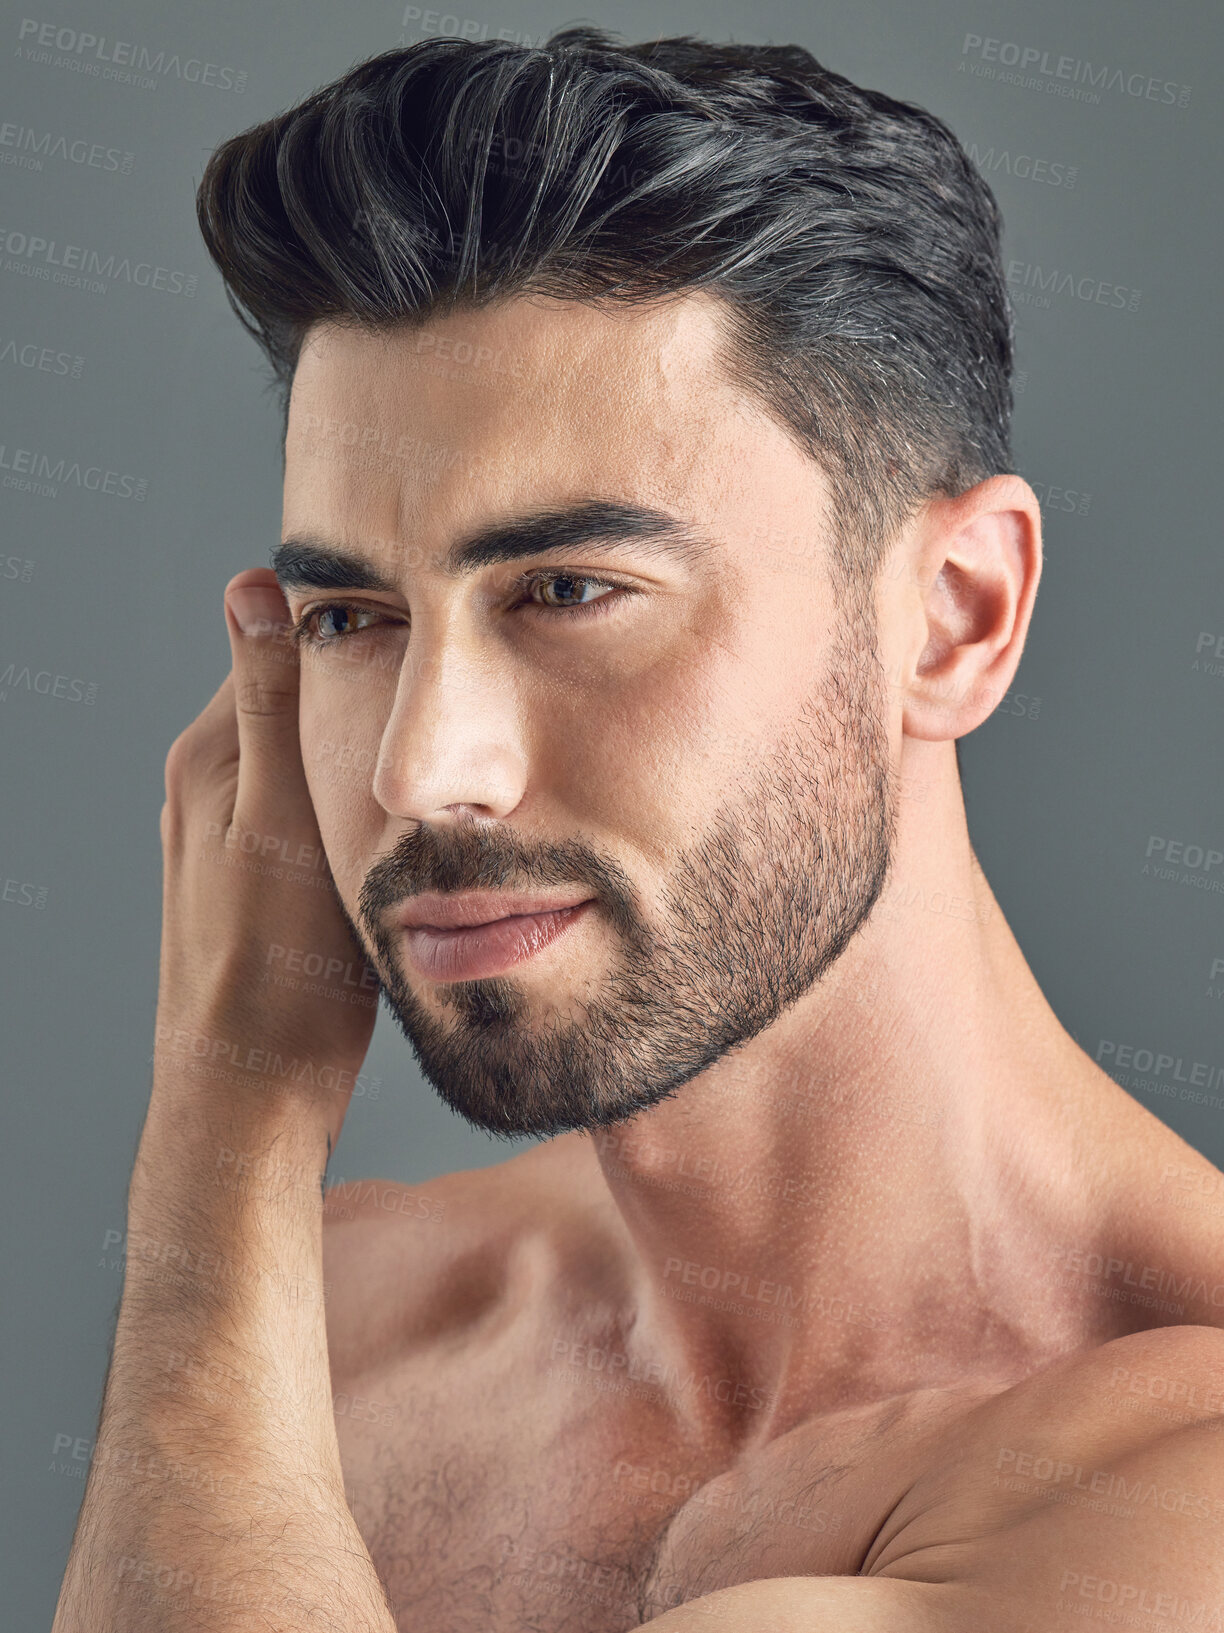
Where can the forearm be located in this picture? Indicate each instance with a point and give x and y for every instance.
(222, 1507)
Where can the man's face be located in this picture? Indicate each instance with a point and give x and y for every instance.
(696, 740)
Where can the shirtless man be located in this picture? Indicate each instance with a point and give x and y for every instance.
(846, 1292)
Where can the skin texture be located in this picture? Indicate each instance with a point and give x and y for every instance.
(753, 912)
(897, 1315)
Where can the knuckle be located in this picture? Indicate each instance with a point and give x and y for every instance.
(260, 695)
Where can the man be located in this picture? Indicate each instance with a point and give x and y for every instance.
(648, 545)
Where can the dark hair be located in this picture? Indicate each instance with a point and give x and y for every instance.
(853, 242)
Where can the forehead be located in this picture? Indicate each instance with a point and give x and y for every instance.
(434, 429)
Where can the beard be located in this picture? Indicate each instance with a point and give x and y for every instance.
(753, 916)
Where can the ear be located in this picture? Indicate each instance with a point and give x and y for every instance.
(977, 563)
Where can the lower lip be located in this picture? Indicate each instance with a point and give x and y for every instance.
(486, 949)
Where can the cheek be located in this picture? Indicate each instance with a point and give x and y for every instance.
(650, 760)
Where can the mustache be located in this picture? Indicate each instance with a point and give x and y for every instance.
(482, 856)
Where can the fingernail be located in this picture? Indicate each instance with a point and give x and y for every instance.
(258, 609)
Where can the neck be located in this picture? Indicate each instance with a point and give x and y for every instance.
(870, 1193)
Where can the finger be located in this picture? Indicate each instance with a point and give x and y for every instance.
(208, 745)
(215, 723)
(265, 689)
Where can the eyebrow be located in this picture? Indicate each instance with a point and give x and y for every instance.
(308, 562)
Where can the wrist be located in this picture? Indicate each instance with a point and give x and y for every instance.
(252, 1128)
(220, 1176)
(264, 1083)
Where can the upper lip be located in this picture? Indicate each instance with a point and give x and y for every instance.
(438, 912)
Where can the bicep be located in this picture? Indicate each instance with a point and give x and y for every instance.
(837, 1604)
(1131, 1535)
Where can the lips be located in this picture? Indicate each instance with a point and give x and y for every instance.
(473, 936)
(438, 912)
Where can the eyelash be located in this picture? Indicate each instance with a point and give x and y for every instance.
(301, 633)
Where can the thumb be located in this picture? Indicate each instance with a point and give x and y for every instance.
(265, 671)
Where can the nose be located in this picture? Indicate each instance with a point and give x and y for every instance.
(452, 746)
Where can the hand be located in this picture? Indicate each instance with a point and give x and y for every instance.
(237, 812)
(231, 1275)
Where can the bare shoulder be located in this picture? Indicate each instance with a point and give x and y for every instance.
(404, 1264)
(1093, 1489)
(1098, 1481)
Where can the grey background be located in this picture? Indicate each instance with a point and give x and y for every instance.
(1111, 739)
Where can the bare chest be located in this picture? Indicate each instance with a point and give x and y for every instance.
(546, 1498)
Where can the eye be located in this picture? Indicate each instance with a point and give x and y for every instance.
(573, 594)
(570, 592)
(312, 629)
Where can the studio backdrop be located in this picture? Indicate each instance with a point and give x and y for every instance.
(140, 464)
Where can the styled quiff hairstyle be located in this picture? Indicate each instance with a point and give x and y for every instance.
(855, 246)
